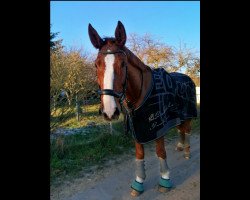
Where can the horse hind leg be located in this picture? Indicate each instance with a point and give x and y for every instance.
(184, 130)
(180, 144)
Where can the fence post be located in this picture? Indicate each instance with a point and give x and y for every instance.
(54, 103)
(110, 128)
(77, 110)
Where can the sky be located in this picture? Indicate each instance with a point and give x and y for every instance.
(174, 22)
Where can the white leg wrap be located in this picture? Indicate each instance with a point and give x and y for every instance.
(140, 169)
(164, 169)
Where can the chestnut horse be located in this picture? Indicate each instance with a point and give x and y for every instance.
(124, 81)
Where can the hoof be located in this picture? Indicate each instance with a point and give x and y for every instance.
(163, 189)
(135, 193)
(165, 185)
(187, 157)
(137, 188)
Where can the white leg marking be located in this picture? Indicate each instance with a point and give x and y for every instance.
(164, 169)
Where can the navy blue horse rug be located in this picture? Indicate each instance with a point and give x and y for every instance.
(170, 100)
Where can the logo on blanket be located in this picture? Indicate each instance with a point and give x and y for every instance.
(154, 116)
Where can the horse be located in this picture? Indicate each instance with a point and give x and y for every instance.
(152, 100)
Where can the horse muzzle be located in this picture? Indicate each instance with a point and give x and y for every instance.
(115, 116)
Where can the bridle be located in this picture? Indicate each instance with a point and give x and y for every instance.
(122, 95)
(129, 108)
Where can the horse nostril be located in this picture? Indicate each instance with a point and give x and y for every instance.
(117, 112)
(105, 115)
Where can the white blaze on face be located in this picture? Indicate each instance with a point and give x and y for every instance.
(108, 83)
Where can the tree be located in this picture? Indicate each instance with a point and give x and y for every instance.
(81, 76)
(72, 74)
(57, 76)
(155, 53)
(194, 71)
(151, 51)
(55, 45)
(188, 62)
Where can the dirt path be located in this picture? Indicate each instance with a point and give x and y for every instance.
(113, 181)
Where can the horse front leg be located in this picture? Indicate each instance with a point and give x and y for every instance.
(137, 185)
(164, 183)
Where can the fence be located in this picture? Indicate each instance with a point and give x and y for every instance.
(64, 113)
(63, 110)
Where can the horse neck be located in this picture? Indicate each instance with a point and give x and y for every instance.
(137, 85)
(135, 61)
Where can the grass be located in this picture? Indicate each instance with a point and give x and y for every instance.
(68, 118)
(71, 154)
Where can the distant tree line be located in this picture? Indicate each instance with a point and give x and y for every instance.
(72, 72)
(72, 79)
(155, 53)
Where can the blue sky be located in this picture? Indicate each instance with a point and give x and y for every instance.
(172, 21)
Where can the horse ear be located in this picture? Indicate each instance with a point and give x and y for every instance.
(120, 34)
(95, 39)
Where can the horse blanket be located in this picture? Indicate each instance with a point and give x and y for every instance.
(170, 100)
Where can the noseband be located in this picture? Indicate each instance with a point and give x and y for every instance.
(122, 95)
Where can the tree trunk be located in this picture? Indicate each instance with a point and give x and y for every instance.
(54, 103)
(77, 110)
(68, 98)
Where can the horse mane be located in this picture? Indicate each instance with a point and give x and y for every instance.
(135, 61)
